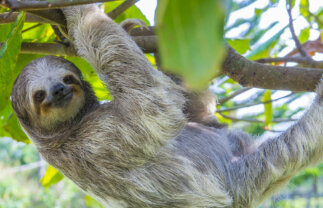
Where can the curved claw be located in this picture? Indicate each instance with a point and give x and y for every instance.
(131, 23)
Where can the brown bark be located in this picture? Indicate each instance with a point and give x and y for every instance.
(253, 74)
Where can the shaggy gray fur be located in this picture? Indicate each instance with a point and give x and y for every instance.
(139, 150)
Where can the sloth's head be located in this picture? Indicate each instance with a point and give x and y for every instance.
(49, 93)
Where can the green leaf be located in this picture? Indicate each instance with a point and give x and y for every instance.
(320, 19)
(8, 58)
(5, 30)
(13, 128)
(260, 33)
(10, 122)
(51, 177)
(304, 7)
(190, 39)
(4, 115)
(242, 4)
(236, 24)
(262, 51)
(313, 172)
(90, 202)
(40, 34)
(305, 34)
(273, 1)
(132, 12)
(268, 107)
(240, 45)
(292, 2)
(91, 76)
(258, 12)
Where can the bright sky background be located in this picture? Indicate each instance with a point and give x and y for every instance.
(277, 13)
(148, 8)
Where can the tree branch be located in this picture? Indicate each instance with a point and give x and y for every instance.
(253, 74)
(121, 8)
(255, 120)
(234, 94)
(53, 16)
(47, 49)
(6, 18)
(291, 27)
(253, 104)
(306, 62)
(147, 44)
(39, 5)
(240, 69)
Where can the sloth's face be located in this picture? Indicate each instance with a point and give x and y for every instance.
(48, 92)
(55, 95)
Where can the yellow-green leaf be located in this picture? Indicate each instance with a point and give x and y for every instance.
(240, 45)
(90, 202)
(263, 50)
(13, 128)
(132, 12)
(51, 177)
(8, 57)
(305, 34)
(191, 39)
(268, 107)
(91, 76)
(304, 7)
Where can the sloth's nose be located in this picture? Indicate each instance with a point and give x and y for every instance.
(59, 95)
(58, 90)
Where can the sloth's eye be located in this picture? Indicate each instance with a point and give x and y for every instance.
(39, 96)
(69, 79)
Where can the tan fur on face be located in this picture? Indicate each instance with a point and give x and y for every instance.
(43, 78)
(49, 116)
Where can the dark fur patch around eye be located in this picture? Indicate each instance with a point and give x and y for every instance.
(39, 96)
(69, 79)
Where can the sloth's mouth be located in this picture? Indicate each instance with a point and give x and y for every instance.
(62, 100)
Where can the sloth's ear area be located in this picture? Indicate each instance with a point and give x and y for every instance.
(18, 99)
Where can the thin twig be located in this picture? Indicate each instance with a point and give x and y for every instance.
(47, 48)
(252, 74)
(291, 27)
(6, 18)
(253, 104)
(53, 16)
(315, 17)
(274, 131)
(32, 27)
(121, 8)
(255, 120)
(236, 93)
(146, 43)
(310, 63)
(22, 168)
(39, 5)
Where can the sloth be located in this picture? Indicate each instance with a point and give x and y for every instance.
(141, 149)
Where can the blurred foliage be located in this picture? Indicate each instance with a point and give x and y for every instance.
(191, 44)
(190, 37)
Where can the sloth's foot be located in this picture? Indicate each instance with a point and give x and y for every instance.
(130, 24)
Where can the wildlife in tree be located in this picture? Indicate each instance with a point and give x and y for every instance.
(157, 143)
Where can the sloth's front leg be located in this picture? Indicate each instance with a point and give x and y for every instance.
(278, 159)
(148, 102)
